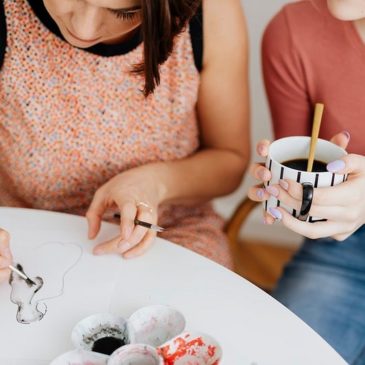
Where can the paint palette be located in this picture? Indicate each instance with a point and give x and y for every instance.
(152, 335)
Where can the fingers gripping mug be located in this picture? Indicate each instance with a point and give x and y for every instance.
(287, 159)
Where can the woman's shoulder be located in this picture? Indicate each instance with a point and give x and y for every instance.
(300, 23)
(225, 33)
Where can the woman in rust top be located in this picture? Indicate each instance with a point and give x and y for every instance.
(315, 51)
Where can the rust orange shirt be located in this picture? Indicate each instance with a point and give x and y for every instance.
(309, 56)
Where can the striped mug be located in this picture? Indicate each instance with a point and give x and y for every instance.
(297, 148)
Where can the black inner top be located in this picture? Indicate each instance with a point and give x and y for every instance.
(105, 50)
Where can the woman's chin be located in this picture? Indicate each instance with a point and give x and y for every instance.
(81, 44)
(344, 11)
(76, 42)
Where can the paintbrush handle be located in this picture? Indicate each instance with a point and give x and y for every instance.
(12, 268)
(137, 222)
(151, 226)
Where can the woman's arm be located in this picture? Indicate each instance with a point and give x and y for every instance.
(223, 110)
(217, 168)
(285, 80)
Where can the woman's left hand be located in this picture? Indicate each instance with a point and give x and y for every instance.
(342, 205)
(136, 193)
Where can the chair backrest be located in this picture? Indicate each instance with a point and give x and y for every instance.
(258, 261)
(238, 218)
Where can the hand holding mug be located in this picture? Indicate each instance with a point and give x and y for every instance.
(340, 205)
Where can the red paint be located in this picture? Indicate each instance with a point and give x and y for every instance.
(211, 350)
(186, 347)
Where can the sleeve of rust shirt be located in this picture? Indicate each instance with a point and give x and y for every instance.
(309, 56)
(285, 80)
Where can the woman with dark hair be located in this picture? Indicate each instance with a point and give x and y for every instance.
(124, 106)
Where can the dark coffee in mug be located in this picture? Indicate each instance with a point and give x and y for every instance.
(301, 165)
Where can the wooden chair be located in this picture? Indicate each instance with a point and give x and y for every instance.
(258, 261)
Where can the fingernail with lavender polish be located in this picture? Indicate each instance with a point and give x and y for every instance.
(260, 194)
(336, 166)
(272, 191)
(284, 185)
(276, 213)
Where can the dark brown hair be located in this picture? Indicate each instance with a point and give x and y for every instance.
(162, 21)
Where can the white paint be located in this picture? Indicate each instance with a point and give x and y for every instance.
(92, 328)
(154, 325)
(136, 354)
(79, 357)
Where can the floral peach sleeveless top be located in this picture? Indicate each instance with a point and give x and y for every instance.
(71, 119)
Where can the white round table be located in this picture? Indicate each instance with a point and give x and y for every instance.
(251, 327)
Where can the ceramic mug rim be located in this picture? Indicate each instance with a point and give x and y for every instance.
(302, 138)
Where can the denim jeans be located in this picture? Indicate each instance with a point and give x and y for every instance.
(324, 285)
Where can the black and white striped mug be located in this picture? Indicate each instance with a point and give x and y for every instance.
(297, 148)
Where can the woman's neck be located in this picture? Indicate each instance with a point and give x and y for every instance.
(360, 27)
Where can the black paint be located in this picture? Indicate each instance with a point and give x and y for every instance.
(107, 345)
(29, 281)
(301, 165)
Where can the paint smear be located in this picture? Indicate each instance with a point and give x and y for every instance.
(22, 295)
(188, 349)
(52, 261)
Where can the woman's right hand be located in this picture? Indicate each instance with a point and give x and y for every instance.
(262, 174)
(6, 257)
(259, 172)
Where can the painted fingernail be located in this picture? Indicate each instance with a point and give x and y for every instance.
(260, 194)
(347, 134)
(284, 184)
(336, 166)
(272, 191)
(276, 213)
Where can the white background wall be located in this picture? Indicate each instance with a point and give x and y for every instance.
(258, 14)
